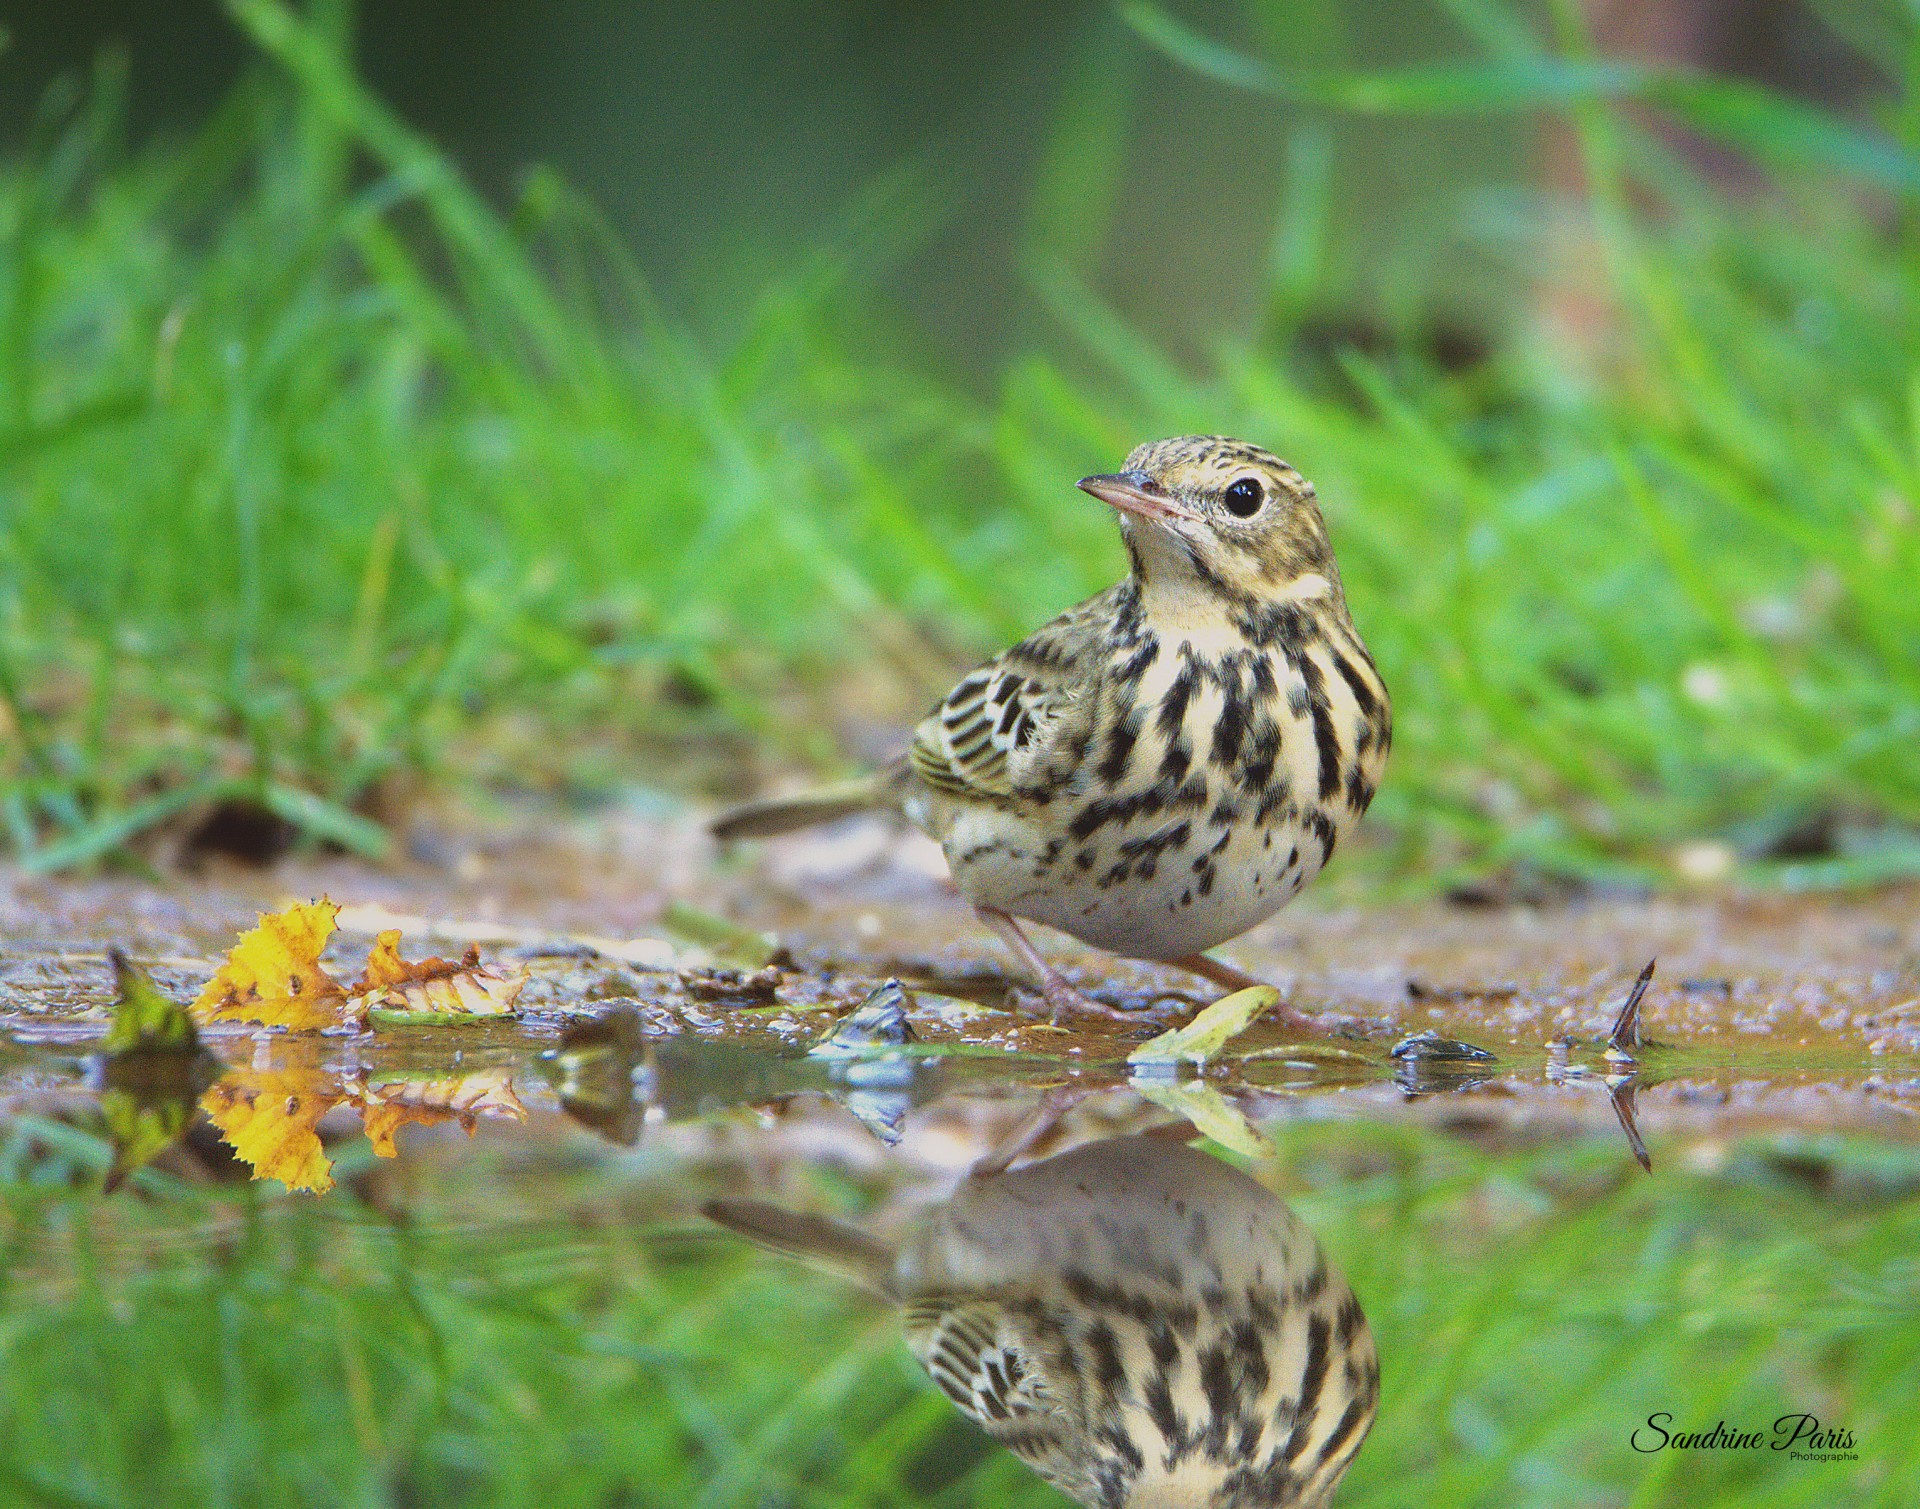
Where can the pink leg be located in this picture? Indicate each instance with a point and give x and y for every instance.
(1226, 976)
(1054, 1103)
(1062, 998)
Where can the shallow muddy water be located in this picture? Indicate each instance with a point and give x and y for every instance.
(505, 1281)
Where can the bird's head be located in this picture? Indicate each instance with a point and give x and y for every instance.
(1202, 512)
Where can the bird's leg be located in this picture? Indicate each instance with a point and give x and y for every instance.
(1238, 979)
(1055, 1102)
(1062, 998)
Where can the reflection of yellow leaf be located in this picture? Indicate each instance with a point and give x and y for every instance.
(271, 1118)
(273, 974)
(427, 1102)
(437, 985)
(1208, 1033)
(1210, 1113)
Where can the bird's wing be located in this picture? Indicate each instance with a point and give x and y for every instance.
(989, 1364)
(1011, 715)
(969, 744)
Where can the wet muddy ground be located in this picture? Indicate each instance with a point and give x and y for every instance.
(1765, 1009)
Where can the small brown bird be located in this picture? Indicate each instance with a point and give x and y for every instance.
(1166, 765)
(1144, 1326)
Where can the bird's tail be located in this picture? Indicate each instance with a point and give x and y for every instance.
(783, 814)
(832, 1245)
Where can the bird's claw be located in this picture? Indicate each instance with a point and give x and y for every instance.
(1062, 1001)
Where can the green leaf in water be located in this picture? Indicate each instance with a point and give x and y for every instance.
(387, 1016)
(144, 1020)
(151, 1072)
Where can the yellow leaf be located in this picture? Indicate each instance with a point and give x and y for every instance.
(436, 985)
(1208, 1033)
(271, 1119)
(273, 975)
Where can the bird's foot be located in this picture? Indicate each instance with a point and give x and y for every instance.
(1062, 1003)
(1061, 998)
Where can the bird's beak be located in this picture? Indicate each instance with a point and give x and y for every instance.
(1136, 493)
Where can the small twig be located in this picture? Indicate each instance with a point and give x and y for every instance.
(1625, 1036)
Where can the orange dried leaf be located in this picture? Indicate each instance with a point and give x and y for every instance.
(271, 1119)
(273, 974)
(436, 984)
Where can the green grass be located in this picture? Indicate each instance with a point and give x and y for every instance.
(321, 478)
(511, 1328)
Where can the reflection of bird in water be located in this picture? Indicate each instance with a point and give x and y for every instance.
(1139, 1322)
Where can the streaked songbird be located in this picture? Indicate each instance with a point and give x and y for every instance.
(1167, 764)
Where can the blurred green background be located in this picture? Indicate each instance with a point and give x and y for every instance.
(382, 394)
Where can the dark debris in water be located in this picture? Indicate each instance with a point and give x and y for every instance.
(1429, 1064)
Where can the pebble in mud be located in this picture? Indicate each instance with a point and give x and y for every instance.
(1431, 1047)
(759, 985)
(878, 1022)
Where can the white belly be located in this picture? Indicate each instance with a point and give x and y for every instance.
(1121, 892)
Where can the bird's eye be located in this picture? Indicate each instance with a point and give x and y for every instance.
(1245, 496)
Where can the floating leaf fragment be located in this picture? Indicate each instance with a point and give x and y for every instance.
(436, 987)
(868, 1050)
(1431, 1047)
(1626, 1036)
(874, 1028)
(1207, 1035)
(271, 1119)
(273, 975)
